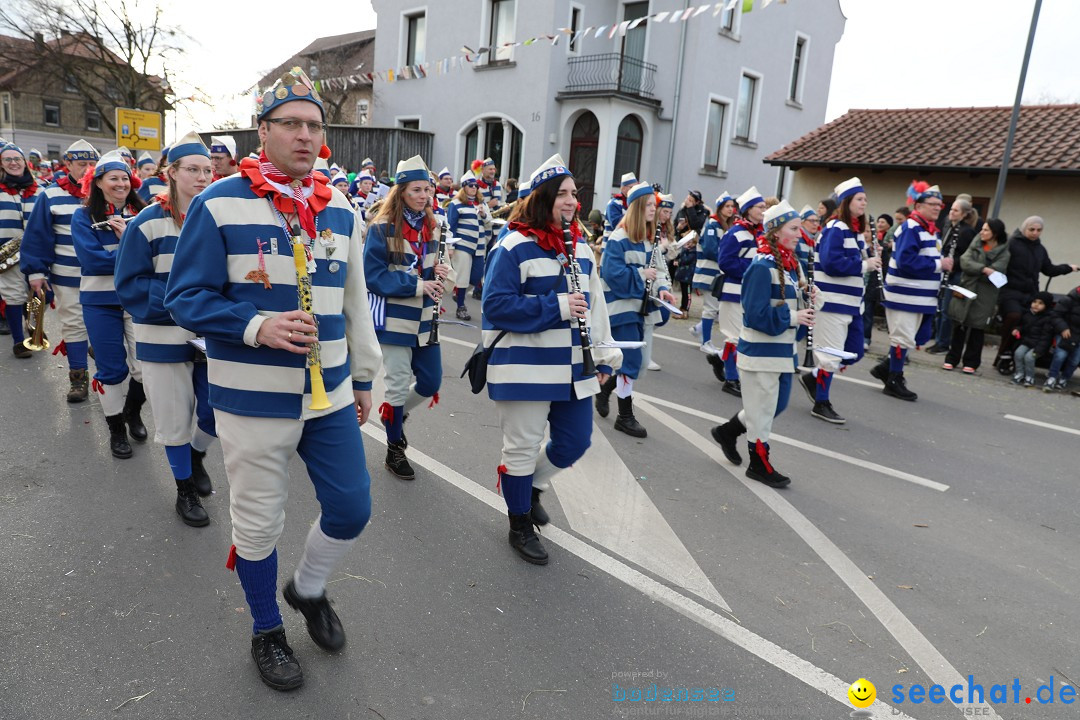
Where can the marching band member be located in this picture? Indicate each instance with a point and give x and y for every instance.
(238, 276)
(463, 215)
(840, 262)
(808, 235)
(735, 252)
(47, 258)
(767, 360)
(444, 192)
(96, 229)
(152, 184)
(174, 372)
(707, 268)
(911, 290)
(628, 272)
(341, 182)
(404, 282)
(528, 306)
(488, 183)
(617, 205)
(18, 192)
(223, 156)
(658, 317)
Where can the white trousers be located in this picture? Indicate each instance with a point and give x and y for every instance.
(646, 352)
(69, 313)
(903, 326)
(760, 393)
(728, 323)
(830, 330)
(710, 306)
(462, 263)
(13, 288)
(171, 394)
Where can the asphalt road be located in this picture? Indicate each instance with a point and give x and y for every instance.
(113, 608)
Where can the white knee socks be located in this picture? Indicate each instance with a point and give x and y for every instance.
(321, 554)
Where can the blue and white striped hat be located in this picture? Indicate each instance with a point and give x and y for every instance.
(111, 161)
(667, 201)
(931, 192)
(412, 169)
(81, 150)
(190, 144)
(848, 188)
(778, 215)
(723, 197)
(749, 199)
(553, 167)
(807, 212)
(639, 191)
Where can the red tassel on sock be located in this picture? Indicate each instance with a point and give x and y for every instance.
(434, 401)
(498, 484)
(899, 352)
(386, 412)
(822, 375)
(763, 453)
(60, 349)
(230, 564)
(97, 387)
(728, 349)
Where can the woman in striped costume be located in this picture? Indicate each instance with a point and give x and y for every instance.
(627, 271)
(174, 372)
(767, 361)
(404, 283)
(465, 225)
(18, 191)
(707, 271)
(111, 201)
(535, 374)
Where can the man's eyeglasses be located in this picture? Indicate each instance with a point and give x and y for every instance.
(195, 171)
(293, 125)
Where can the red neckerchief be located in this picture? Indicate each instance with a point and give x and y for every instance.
(856, 225)
(417, 240)
(162, 199)
(361, 195)
(923, 222)
(73, 189)
(259, 172)
(484, 185)
(806, 238)
(755, 230)
(25, 193)
(549, 238)
(621, 198)
(787, 258)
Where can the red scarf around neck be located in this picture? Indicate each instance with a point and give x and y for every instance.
(787, 258)
(72, 188)
(262, 172)
(549, 238)
(25, 193)
(926, 224)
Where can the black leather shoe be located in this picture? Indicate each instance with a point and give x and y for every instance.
(717, 367)
(937, 350)
(824, 411)
(881, 370)
(539, 514)
(764, 472)
(733, 387)
(523, 539)
(397, 463)
(199, 475)
(727, 436)
(273, 657)
(626, 422)
(4, 328)
(462, 313)
(136, 398)
(603, 398)
(118, 440)
(478, 293)
(809, 384)
(897, 387)
(323, 624)
(188, 505)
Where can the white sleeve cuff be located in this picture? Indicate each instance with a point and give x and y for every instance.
(564, 307)
(252, 330)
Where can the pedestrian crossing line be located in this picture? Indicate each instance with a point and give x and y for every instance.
(858, 462)
(933, 663)
(803, 671)
(1040, 423)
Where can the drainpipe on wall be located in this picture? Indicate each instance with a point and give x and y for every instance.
(675, 109)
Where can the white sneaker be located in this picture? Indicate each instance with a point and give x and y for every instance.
(653, 365)
(709, 349)
(696, 330)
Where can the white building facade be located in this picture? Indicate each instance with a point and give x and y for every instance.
(692, 104)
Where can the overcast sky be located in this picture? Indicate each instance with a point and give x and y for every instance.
(894, 53)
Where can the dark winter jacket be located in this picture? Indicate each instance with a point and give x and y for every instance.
(1028, 258)
(1037, 331)
(1066, 316)
(976, 312)
(960, 237)
(684, 265)
(695, 217)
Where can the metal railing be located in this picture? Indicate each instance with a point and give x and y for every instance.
(611, 72)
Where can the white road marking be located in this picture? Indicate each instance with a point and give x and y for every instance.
(918, 647)
(729, 630)
(858, 462)
(691, 343)
(1040, 423)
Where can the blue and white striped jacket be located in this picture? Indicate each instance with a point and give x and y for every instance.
(15, 214)
(96, 250)
(47, 249)
(914, 270)
(466, 226)
(399, 307)
(209, 293)
(151, 186)
(494, 190)
(623, 273)
(707, 267)
(540, 356)
(769, 333)
(737, 249)
(613, 214)
(143, 262)
(840, 262)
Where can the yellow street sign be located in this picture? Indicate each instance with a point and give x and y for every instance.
(137, 129)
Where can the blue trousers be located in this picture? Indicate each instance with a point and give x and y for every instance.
(105, 326)
(631, 359)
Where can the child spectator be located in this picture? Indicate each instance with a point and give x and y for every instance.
(1066, 321)
(684, 271)
(1034, 335)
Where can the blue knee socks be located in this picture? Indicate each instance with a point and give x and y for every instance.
(824, 380)
(393, 422)
(179, 460)
(896, 359)
(14, 315)
(706, 330)
(517, 491)
(259, 580)
(76, 354)
(731, 369)
(459, 295)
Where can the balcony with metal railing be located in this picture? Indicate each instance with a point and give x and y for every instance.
(610, 74)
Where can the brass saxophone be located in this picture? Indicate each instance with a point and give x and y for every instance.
(35, 323)
(9, 254)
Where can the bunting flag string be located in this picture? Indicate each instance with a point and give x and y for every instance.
(469, 56)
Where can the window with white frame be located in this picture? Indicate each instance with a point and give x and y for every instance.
(93, 119)
(501, 30)
(746, 113)
(798, 68)
(730, 20)
(409, 123)
(713, 160)
(51, 111)
(573, 44)
(415, 38)
(362, 107)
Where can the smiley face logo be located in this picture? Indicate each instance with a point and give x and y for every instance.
(862, 693)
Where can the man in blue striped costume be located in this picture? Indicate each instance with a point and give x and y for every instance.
(616, 206)
(235, 282)
(18, 191)
(465, 226)
(152, 184)
(223, 156)
(48, 259)
(911, 290)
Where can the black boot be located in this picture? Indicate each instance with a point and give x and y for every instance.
(188, 505)
(133, 403)
(896, 386)
(626, 422)
(118, 440)
(323, 624)
(732, 387)
(761, 469)
(603, 398)
(397, 463)
(523, 539)
(80, 386)
(277, 665)
(717, 367)
(199, 475)
(881, 370)
(727, 435)
(824, 411)
(539, 514)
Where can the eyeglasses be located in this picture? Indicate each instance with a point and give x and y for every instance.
(293, 125)
(192, 170)
(12, 160)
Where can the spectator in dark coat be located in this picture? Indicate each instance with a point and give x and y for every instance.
(692, 215)
(684, 271)
(1066, 321)
(1034, 335)
(970, 316)
(1027, 259)
(956, 236)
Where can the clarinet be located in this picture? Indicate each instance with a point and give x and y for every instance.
(588, 368)
(646, 300)
(808, 359)
(433, 336)
(881, 270)
(105, 223)
(952, 256)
